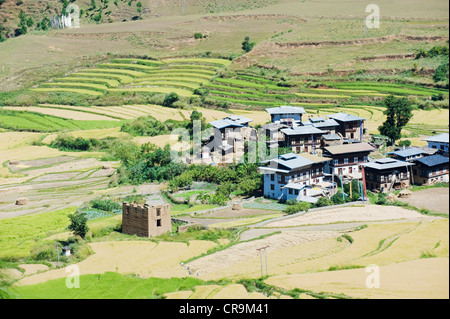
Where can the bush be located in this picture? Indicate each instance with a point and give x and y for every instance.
(198, 35)
(405, 143)
(105, 204)
(298, 207)
(337, 198)
(45, 251)
(381, 199)
(170, 99)
(323, 201)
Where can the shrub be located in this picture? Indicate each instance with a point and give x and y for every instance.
(405, 143)
(381, 199)
(198, 35)
(298, 207)
(105, 204)
(170, 99)
(323, 201)
(45, 251)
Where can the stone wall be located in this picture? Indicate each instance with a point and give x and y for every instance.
(146, 221)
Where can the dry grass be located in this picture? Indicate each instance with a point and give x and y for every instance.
(348, 214)
(143, 258)
(417, 279)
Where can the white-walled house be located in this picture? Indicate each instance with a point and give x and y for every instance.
(346, 159)
(289, 115)
(291, 176)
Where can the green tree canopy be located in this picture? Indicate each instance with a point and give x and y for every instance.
(398, 112)
(78, 224)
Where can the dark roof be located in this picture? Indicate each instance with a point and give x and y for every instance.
(433, 160)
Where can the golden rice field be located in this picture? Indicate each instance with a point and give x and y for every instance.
(417, 279)
(143, 258)
(297, 252)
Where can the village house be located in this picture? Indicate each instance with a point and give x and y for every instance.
(409, 154)
(297, 177)
(350, 127)
(439, 142)
(302, 139)
(229, 136)
(273, 134)
(386, 174)
(431, 169)
(346, 159)
(288, 115)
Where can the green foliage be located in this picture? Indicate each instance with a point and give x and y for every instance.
(247, 46)
(406, 143)
(338, 199)
(442, 73)
(323, 201)
(170, 99)
(198, 35)
(398, 113)
(296, 207)
(105, 204)
(109, 285)
(78, 224)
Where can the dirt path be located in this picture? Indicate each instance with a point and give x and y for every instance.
(435, 199)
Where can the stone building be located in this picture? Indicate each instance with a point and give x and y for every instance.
(147, 220)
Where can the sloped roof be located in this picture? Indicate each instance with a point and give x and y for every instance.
(331, 137)
(219, 124)
(286, 109)
(300, 130)
(344, 117)
(408, 152)
(440, 138)
(387, 163)
(433, 160)
(292, 161)
(349, 148)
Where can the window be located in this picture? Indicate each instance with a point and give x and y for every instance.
(272, 177)
(296, 191)
(366, 158)
(158, 212)
(272, 187)
(158, 223)
(355, 159)
(317, 171)
(290, 191)
(335, 161)
(345, 160)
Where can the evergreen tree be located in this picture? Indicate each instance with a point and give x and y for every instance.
(398, 112)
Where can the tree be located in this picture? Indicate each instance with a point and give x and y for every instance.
(398, 112)
(247, 46)
(170, 99)
(441, 73)
(78, 224)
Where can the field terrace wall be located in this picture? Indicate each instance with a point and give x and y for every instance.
(146, 221)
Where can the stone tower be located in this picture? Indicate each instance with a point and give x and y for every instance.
(146, 221)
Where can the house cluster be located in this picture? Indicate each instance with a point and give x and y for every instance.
(322, 151)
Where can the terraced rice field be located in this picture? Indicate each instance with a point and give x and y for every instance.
(299, 252)
(143, 258)
(181, 76)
